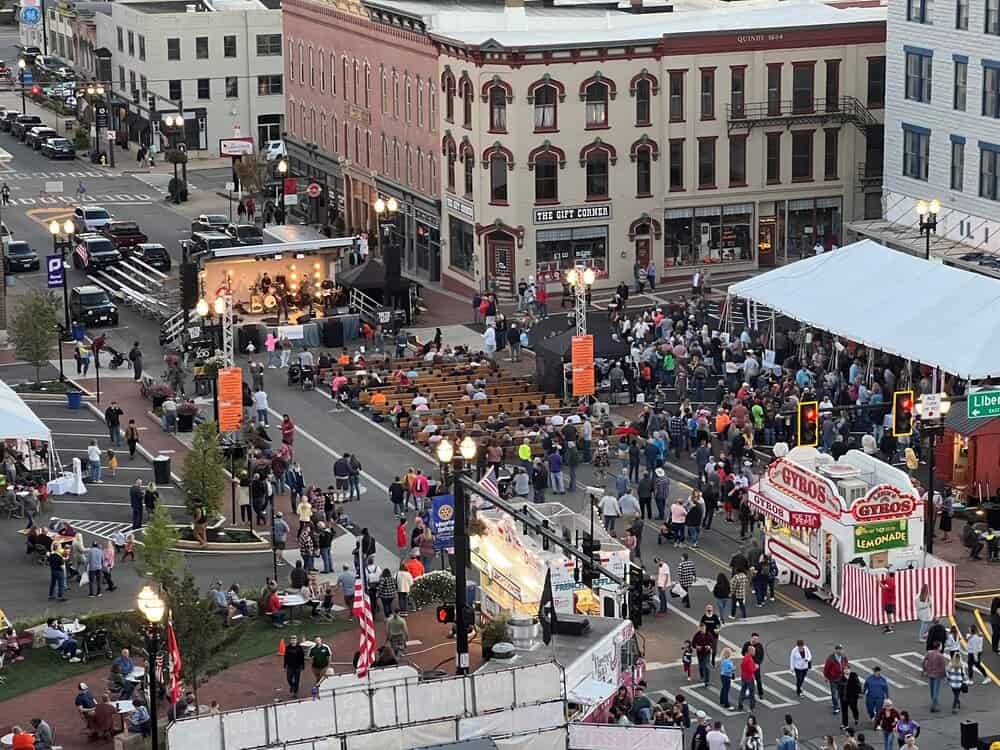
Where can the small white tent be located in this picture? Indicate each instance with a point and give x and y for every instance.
(17, 420)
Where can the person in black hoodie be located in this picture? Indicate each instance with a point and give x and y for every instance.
(295, 662)
(850, 692)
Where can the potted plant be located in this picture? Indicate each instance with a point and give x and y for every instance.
(492, 632)
(160, 392)
(186, 412)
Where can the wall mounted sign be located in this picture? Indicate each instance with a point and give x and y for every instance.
(572, 213)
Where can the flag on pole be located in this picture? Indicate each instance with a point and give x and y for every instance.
(363, 609)
(547, 609)
(175, 664)
(489, 482)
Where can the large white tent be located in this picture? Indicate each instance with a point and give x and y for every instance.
(893, 302)
(17, 421)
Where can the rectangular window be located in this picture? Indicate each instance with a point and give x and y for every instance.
(876, 82)
(232, 87)
(706, 163)
(131, 44)
(962, 14)
(802, 155)
(989, 173)
(408, 102)
(174, 89)
(961, 85)
(737, 93)
(546, 180)
(677, 96)
(677, 164)
(204, 88)
(916, 151)
(708, 93)
(121, 39)
(142, 47)
(802, 87)
(992, 25)
(121, 77)
(737, 161)
(957, 164)
(774, 90)
(143, 86)
(991, 91)
(174, 49)
(201, 47)
(269, 85)
(831, 154)
(918, 11)
(773, 158)
(268, 45)
(918, 76)
(229, 45)
(132, 88)
(833, 85)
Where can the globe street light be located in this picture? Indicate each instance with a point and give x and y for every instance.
(21, 65)
(581, 279)
(927, 218)
(152, 608)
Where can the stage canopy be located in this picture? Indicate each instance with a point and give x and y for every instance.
(17, 420)
(893, 302)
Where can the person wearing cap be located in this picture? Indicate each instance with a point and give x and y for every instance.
(699, 738)
(661, 492)
(876, 691)
(85, 703)
(833, 671)
(324, 541)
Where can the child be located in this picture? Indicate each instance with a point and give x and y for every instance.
(112, 463)
(118, 539)
(687, 656)
(129, 553)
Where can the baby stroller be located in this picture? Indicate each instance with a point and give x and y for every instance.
(96, 645)
(294, 373)
(307, 378)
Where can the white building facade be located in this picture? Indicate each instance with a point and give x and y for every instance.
(942, 121)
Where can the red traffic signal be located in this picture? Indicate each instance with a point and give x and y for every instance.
(446, 613)
(36, 90)
(902, 413)
(808, 424)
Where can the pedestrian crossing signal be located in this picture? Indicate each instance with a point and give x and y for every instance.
(446, 613)
(902, 413)
(808, 424)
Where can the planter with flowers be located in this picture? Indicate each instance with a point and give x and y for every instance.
(186, 413)
(158, 393)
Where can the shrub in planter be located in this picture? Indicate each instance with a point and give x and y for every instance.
(159, 393)
(494, 631)
(186, 412)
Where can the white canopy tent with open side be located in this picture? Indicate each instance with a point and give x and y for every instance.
(18, 422)
(890, 301)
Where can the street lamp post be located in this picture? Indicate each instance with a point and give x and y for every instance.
(152, 608)
(60, 245)
(21, 65)
(280, 190)
(580, 279)
(95, 93)
(932, 426)
(387, 209)
(927, 216)
(446, 453)
(175, 126)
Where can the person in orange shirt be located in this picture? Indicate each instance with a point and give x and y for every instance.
(415, 567)
(378, 399)
(721, 423)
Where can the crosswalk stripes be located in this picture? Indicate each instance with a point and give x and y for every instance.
(100, 529)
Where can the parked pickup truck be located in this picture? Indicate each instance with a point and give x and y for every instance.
(123, 234)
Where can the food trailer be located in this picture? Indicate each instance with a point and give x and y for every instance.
(836, 527)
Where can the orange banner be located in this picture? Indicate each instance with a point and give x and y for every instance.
(583, 365)
(229, 385)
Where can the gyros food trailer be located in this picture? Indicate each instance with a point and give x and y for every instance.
(836, 527)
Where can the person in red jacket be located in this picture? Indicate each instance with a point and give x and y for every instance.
(888, 586)
(748, 670)
(833, 671)
(274, 610)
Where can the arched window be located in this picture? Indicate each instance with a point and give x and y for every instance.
(368, 85)
(420, 168)
(547, 178)
(395, 94)
(644, 171)
(408, 101)
(356, 81)
(409, 165)
(643, 102)
(384, 84)
(345, 74)
(368, 148)
(302, 66)
(321, 59)
(451, 156)
(545, 108)
(498, 109)
(385, 155)
(420, 103)
(469, 166)
(448, 84)
(597, 174)
(596, 97)
(467, 102)
(312, 67)
(498, 178)
(335, 134)
(395, 158)
(333, 73)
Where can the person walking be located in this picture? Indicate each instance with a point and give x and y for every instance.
(112, 419)
(94, 462)
(387, 591)
(850, 692)
(748, 670)
(906, 727)
(136, 497)
(923, 608)
(294, 662)
(320, 654)
(738, 585)
(324, 540)
(957, 680)
(833, 672)
(727, 670)
(935, 669)
(756, 648)
(702, 643)
(57, 575)
(800, 662)
(686, 576)
(886, 720)
(132, 438)
(722, 592)
(108, 565)
(876, 689)
(662, 584)
(95, 563)
(995, 624)
(974, 650)
(260, 405)
(135, 357)
(610, 510)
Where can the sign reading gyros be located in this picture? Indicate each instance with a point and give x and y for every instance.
(812, 489)
(882, 503)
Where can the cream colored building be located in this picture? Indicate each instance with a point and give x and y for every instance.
(727, 136)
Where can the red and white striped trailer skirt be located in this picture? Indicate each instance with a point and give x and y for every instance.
(861, 597)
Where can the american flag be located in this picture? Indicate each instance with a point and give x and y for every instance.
(175, 664)
(489, 483)
(363, 611)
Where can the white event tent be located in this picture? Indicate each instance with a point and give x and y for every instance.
(19, 422)
(890, 301)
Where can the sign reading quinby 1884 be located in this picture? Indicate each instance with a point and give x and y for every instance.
(872, 537)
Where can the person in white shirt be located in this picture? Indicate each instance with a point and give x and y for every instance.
(717, 738)
(260, 404)
(94, 461)
(490, 341)
(306, 359)
(800, 662)
(610, 510)
(662, 584)
(404, 581)
(419, 400)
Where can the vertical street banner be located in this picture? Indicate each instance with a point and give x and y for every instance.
(54, 266)
(229, 388)
(583, 365)
(443, 521)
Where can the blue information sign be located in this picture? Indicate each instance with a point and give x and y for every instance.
(30, 16)
(54, 265)
(443, 521)
(27, 77)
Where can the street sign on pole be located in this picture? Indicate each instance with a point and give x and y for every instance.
(314, 190)
(983, 404)
(27, 77)
(54, 265)
(930, 406)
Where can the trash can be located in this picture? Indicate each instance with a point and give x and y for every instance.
(161, 469)
(74, 399)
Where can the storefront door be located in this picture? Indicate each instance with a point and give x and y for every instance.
(642, 249)
(500, 263)
(831, 561)
(766, 241)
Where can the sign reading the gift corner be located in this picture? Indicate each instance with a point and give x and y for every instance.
(873, 537)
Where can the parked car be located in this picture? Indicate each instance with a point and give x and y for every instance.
(203, 242)
(58, 148)
(92, 306)
(92, 252)
(123, 233)
(37, 136)
(6, 236)
(210, 223)
(8, 119)
(89, 219)
(274, 150)
(18, 256)
(19, 129)
(245, 234)
(152, 254)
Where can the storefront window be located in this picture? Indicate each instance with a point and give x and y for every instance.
(560, 249)
(461, 245)
(708, 234)
(812, 222)
(737, 232)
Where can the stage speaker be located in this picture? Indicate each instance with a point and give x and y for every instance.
(393, 271)
(572, 625)
(189, 285)
(249, 334)
(333, 333)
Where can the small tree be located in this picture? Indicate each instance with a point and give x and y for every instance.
(157, 554)
(204, 477)
(435, 587)
(198, 629)
(34, 329)
(252, 173)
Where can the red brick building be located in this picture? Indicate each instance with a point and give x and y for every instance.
(361, 113)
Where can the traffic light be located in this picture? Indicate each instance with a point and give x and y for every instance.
(589, 548)
(36, 90)
(152, 102)
(446, 613)
(902, 413)
(808, 424)
(635, 589)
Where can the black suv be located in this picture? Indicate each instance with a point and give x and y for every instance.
(93, 252)
(24, 123)
(92, 306)
(246, 234)
(19, 256)
(152, 254)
